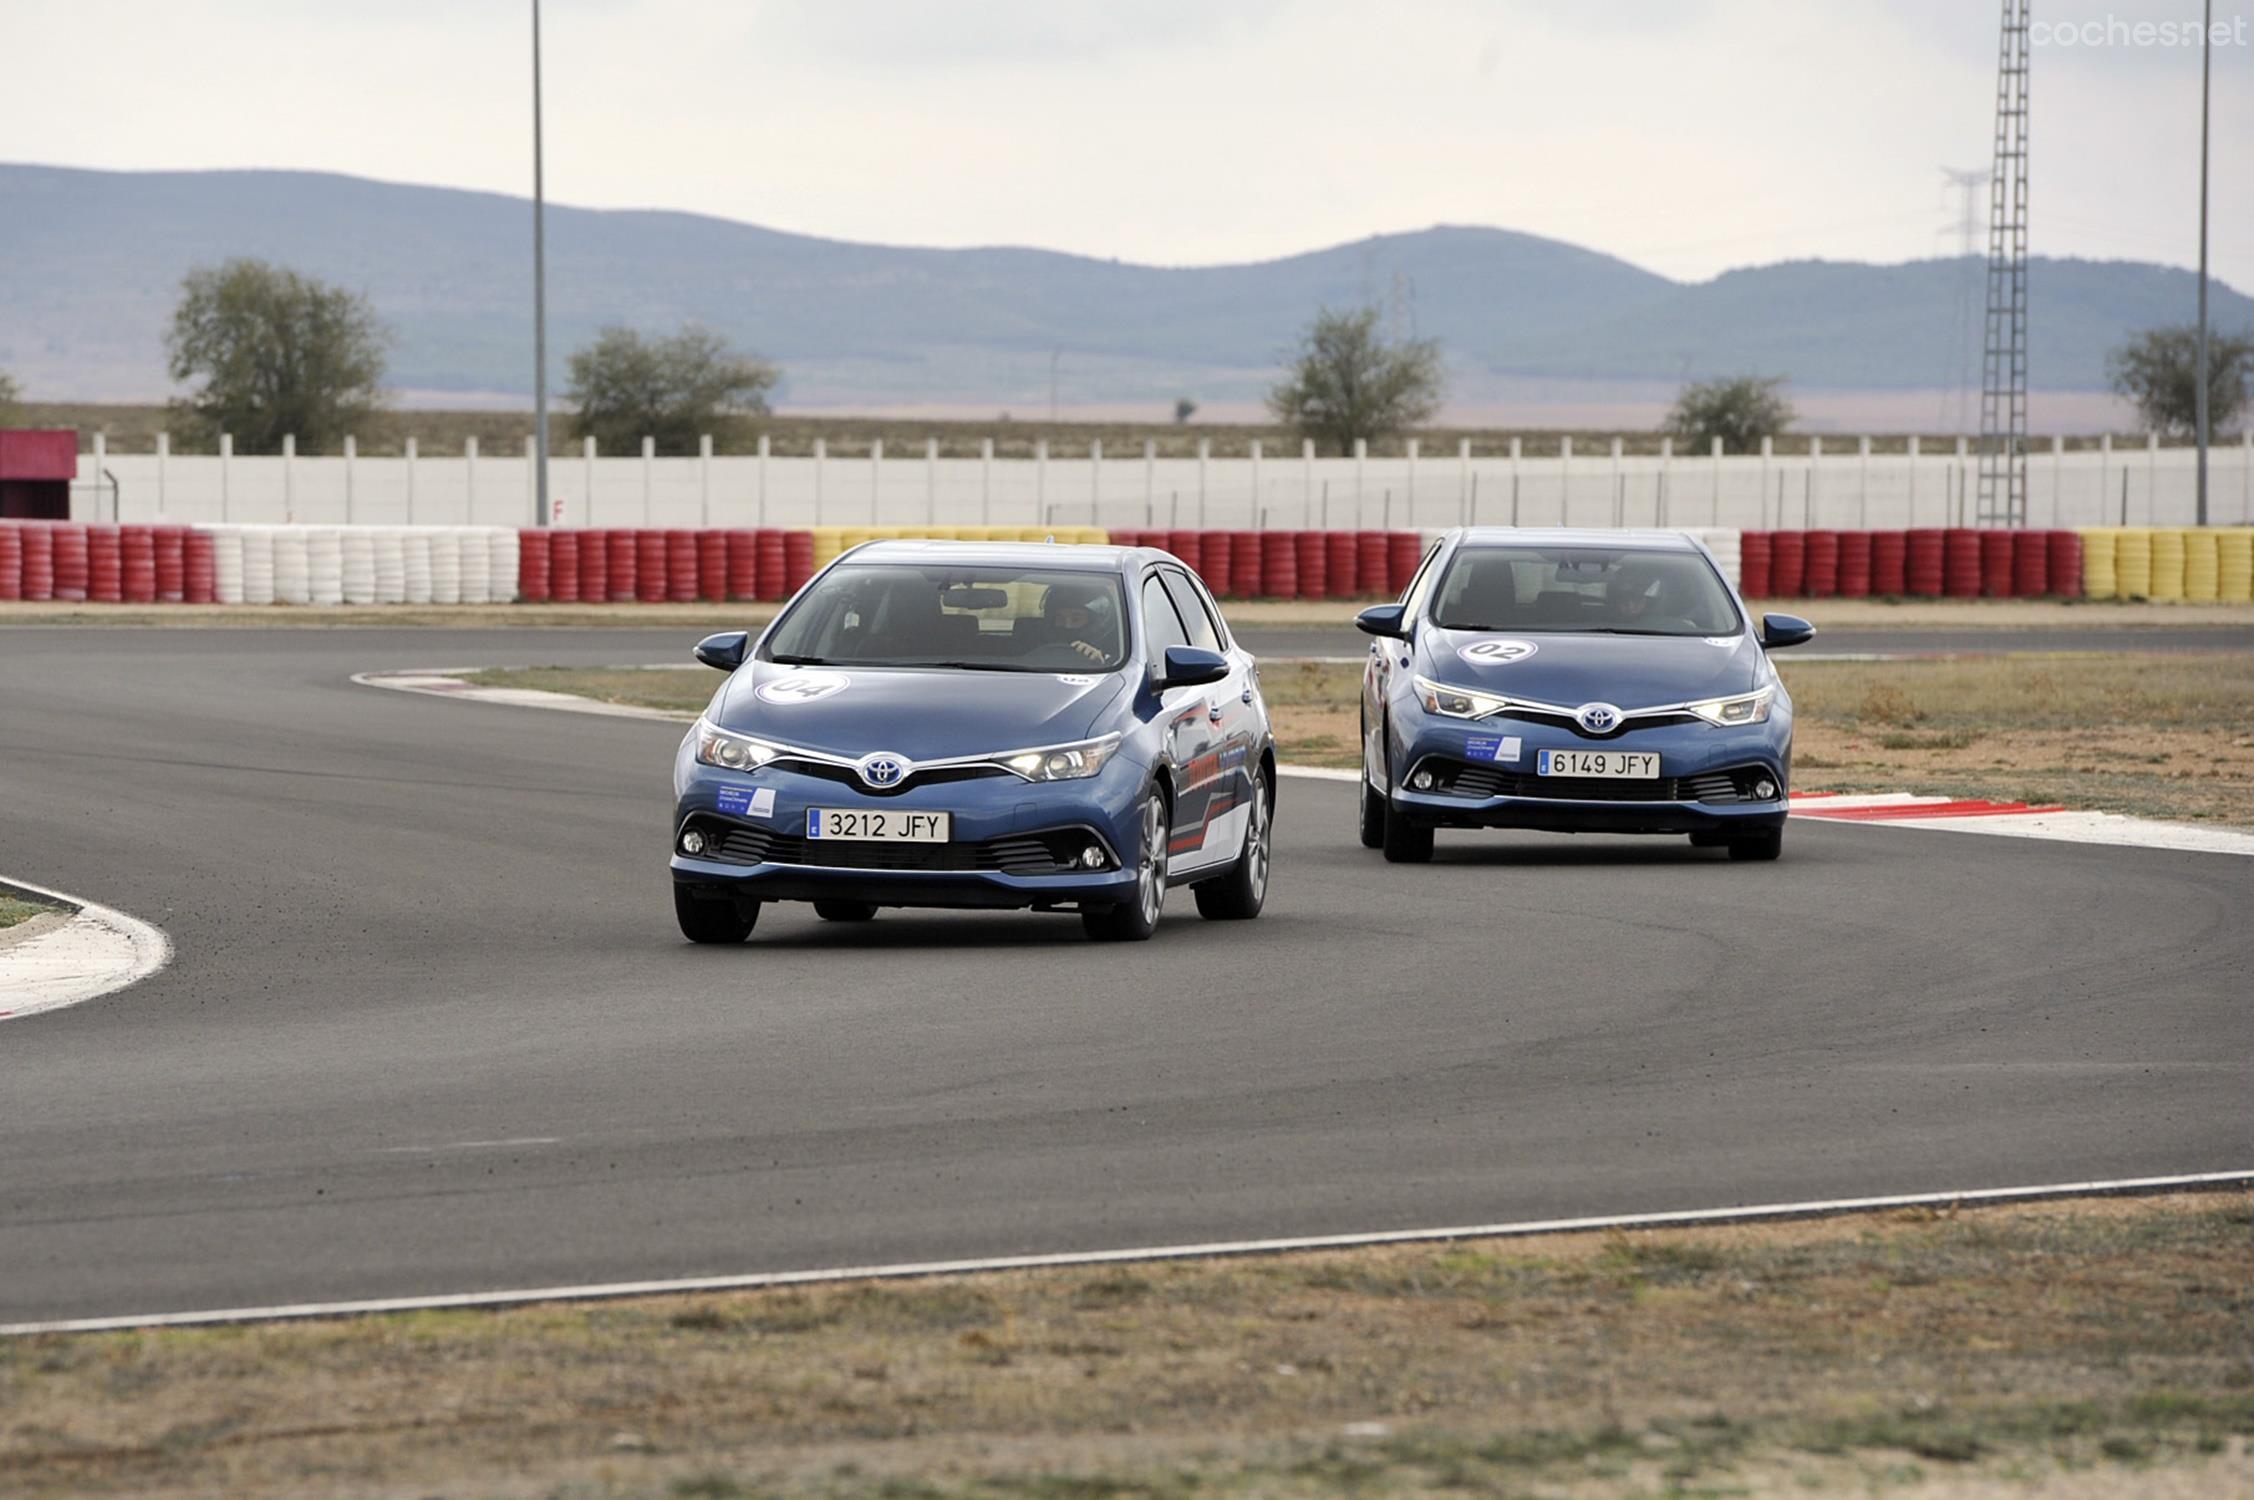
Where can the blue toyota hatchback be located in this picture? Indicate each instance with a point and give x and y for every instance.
(1576, 681)
(956, 724)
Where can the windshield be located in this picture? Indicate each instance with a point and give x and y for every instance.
(995, 619)
(1601, 590)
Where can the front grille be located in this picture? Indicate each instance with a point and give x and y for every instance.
(1462, 779)
(1050, 852)
(1565, 720)
(847, 776)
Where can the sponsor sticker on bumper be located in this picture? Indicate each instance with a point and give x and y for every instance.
(1492, 747)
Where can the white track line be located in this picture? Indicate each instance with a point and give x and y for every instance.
(1815, 1208)
(97, 952)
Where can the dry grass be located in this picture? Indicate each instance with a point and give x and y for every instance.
(15, 909)
(2106, 1338)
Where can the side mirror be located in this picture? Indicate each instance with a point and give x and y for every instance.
(725, 650)
(1192, 666)
(1780, 631)
(1381, 619)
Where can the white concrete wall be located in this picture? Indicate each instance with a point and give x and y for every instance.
(1838, 488)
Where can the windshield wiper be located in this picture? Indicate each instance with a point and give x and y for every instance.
(1622, 630)
(963, 666)
(788, 660)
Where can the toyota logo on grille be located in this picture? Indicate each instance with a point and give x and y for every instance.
(1597, 718)
(882, 770)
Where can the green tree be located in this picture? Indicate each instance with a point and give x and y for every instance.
(1740, 410)
(628, 387)
(1184, 409)
(1348, 381)
(10, 393)
(2154, 370)
(277, 353)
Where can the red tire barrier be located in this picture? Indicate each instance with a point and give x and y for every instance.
(623, 567)
(740, 578)
(137, 564)
(1403, 551)
(1960, 563)
(2030, 564)
(595, 548)
(1338, 565)
(1279, 564)
(169, 545)
(1247, 563)
(1314, 565)
(199, 567)
(1995, 564)
(70, 561)
(1854, 564)
(105, 565)
(535, 559)
(1753, 564)
(798, 561)
(773, 562)
(563, 567)
(1889, 563)
(11, 563)
(1925, 563)
(1821, 577)
(1788, 564)
(1120, 538)
(650, 578)
(38, 563)
(1185, 545)
(1373, 551)
(1216, 550)
(2066, 564)
(706, 553)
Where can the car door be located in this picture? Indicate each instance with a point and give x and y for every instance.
(1233, 706)
(1190, 733)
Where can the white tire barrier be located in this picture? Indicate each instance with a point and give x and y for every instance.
(227, 565)
(324, 566)
(390, 546)
(507, 548)
(356, 566)
(477, 566)
(417, 547)
(258, 564)
(291, 566)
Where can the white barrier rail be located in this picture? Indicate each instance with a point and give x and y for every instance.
(1814, 484)
(283, 564)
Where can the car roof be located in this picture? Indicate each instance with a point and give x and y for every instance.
(1076, 556)
(1559, 536)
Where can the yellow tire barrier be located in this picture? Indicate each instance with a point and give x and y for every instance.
(2167, 564)
(829, 541)
(2234, 570)
(2202, 565)
(2098, 545)
(2132, 563)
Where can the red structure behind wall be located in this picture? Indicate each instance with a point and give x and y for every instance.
(37, 466)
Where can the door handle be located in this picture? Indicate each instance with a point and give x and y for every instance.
(1247, 696)
(1213, 712)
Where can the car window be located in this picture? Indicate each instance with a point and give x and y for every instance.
(1610, 590)
(982, 617)
(1162, 627)
(1204, 632)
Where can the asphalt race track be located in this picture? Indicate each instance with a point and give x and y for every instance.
(430, 1028)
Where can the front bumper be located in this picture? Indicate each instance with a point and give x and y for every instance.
(1012, 843)
(1707, 777)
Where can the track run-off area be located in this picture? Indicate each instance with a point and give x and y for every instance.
(428, 1027)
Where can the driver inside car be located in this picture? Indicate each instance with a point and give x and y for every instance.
(1069, 617)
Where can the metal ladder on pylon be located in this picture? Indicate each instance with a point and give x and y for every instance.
(2003, 373)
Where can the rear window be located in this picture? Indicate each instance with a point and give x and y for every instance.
(997, 619)
(1604, 590)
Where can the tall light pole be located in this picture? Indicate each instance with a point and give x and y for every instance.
(2199, 360)
(540, 297)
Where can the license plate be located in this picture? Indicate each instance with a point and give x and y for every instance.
(1610, 765)
(889, 826)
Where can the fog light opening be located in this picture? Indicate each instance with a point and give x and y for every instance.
(1422, 781)
(1765, 790)
(1092, 857)
(692, 842)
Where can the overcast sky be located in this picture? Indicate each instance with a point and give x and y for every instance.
(1688, 136)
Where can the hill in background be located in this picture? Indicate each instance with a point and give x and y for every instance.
(94, 261)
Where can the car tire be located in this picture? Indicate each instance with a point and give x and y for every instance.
(1767, 844)
(845, 911)
(708, 921)
(1406, 843)
(1239, 895)
(1710, 840)
(1134, 921)
(1373, 804)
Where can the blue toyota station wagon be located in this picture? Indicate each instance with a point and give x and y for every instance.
(1577, 681)
(958, 724)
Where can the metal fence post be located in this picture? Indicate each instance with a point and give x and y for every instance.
(1863, 483)
(1307, 481)
(704, 480)
(985, 481)
(469, 473)
(821, 462)
(1361, 477)
(1259, 517)
(531, 480)
(766, 445)
(289, 474)
(1409, 500)
(1714, 457)
(164, 454)
(1204, 456)
(1095, 481)
(876, 476)
(587, 468)
(931, 480)
(1565, 480)
(1041, 481)
(649, 475)
(1666, 466)
(1517, 452)
(1815, 482)
(411, 481)
(1911, 519)
(1619, 487)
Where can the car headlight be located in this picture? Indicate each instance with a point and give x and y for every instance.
(731, 752)
(1456, 702)
(1728, 713)
(1062, 762)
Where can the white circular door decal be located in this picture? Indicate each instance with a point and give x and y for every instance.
(1497, 653)
(802, 687)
